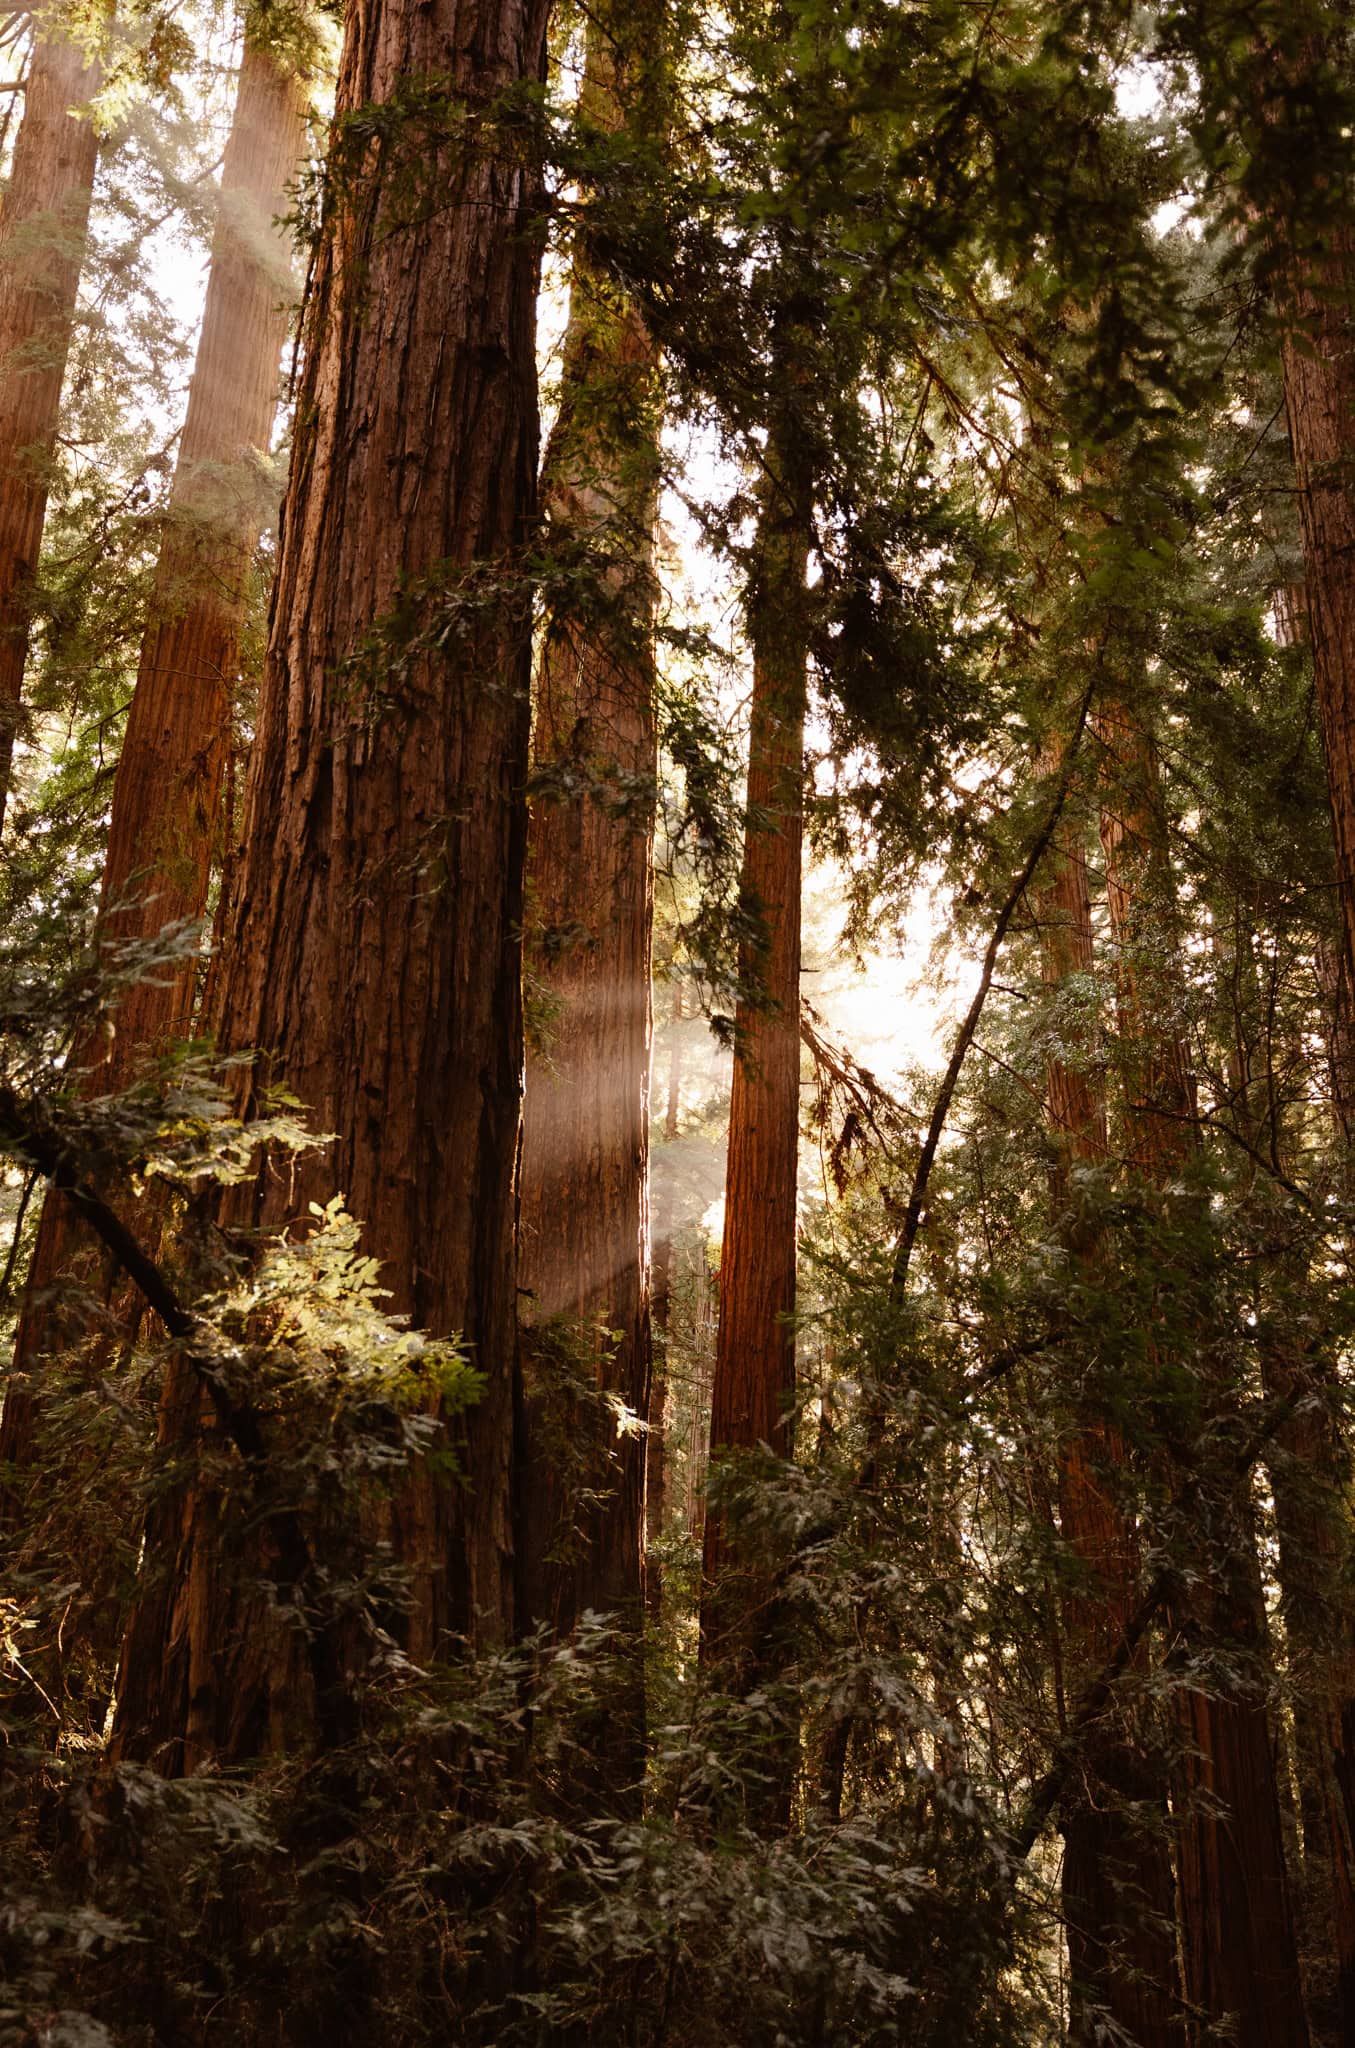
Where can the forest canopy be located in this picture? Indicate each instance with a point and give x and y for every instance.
(677, 1067)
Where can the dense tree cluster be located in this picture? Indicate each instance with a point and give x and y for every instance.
(546, 1492)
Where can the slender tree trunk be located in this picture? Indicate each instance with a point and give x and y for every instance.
(43, 227)
(1309, 1479)
(754, 1380)
(166, 797)
(584, 1232)
(1238, 1942)
(1315, 294)
(375, 952)
(1118, 1897)
(1312, 1522)
(656, 1459)
(165, 833)
(1317, 310)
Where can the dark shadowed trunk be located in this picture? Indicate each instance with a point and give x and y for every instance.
(1315, 301)
(1238, 1941)
(374, 952)
(1315, 295)
(584, 1233)
(1312, 1517)
(43, 228)
(1118, 1899)
(656, 1459)
(1310, 1482)
(1309, 1479)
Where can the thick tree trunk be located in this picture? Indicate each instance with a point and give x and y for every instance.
(375, 951)
(1239, 1950)
(584, 1231)
(166, 797)
(754, 1380)
(43, 227)
(1118, 1900)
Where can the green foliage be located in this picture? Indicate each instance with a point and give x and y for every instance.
(914, 246)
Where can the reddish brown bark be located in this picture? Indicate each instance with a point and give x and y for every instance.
(754, 1379)
(1317, 311)
(1316, 302)
(1239, 1952)
(1118, 1899)
(374, 953)
(43, 227)
(164, 835)
(584, 1228)
(166, 797)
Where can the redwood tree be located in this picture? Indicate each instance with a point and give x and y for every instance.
(375, 951)
(585, 1144)
(165, 825)
(754, 1379)
(1239, 1951)
(43, 226)
(1290, 98)
(1117, 1881)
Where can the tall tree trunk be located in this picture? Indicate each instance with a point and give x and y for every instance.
(375, 951)
(1316, 302)
(1238, 1942)
(166, 797)
(1118, 1900)
(1309, 1479)
(44, 223)
(1315, 294)
(584, 1230)
(754, 1380)
(164, 835)
(656, 1459)
(1312, 1522)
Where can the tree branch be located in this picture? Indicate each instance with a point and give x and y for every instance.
(21, 1129)
(912, 1220)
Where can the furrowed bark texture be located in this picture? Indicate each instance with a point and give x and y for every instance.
(754, 1379)
(1315, 298)
(164, 836)
(584, 1232)
(1316, 302)
(1310, 1483)
(1239, 1952)
(164, 827)
(1118, 1898)
(374, 952)
(43, 228)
